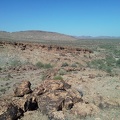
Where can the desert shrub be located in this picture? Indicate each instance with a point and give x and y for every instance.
(116, 52)
(110, 61)
(74, 65)
(15, 63)
(10, 60)
(62, 72)
(43, 77)
(0, 68)
(98, 64)
(107, 46)
(101, 64)
(58, 77)
(3, 90)
(64, 64)
(45, 66)
(39, 65)
(108, 69)
(118, 63)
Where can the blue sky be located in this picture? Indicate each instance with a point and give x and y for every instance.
(72, 17)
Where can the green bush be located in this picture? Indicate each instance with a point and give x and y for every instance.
(74, 65)
(43, 77)
(3, 90)
(102, 64)
(58, 77)
(62, 72)
(45, 66)
(98, 64)
(108, 69)
(39, 65)
(0, 68)
(107, 46)
(64, 64)
(110, 61)
(118, 63)
(15, 63)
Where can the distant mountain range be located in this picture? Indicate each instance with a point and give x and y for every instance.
(98, 37)
(36, 36)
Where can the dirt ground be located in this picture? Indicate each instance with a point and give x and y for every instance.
(98, 87)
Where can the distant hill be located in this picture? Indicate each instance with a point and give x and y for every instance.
(36, 36)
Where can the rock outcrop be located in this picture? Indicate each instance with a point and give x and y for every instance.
(21, 89)
(27, 45)
(12, 112)
(51, 97)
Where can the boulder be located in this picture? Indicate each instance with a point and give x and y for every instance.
(51, 101)
(20, 89)
(12, 112)
(56, 96)
(75, 95)
(51, 85)
(68, 103)
(31, 104)
(27, 103)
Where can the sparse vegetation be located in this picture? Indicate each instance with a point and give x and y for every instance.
(43, 77)
(58, 77)
(62, 72)
(10, 60)
(118, 63)
(37, 115)
(39, 64)
(15, 63)
(6, 78)
(100, 64)
(74, 65)
(3, 90)
(108, 64)
(45, 66)
(0, 68)
(64, 64)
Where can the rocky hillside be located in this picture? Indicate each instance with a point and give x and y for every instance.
(35, 36)
(54, 82)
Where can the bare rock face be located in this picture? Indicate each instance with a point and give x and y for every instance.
(22, 88)
(27, 103)
(12, 112)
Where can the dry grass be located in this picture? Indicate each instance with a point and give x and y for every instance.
(34, 115)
